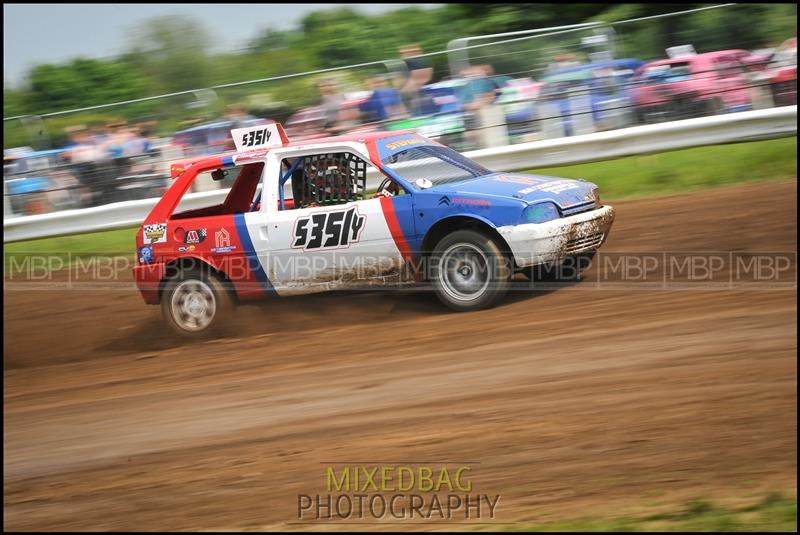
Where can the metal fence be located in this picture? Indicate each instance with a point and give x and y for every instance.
(546, 84)
(743, 126)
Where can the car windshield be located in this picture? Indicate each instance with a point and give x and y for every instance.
(667, 72)
(440, 165)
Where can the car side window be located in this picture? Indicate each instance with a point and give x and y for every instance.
(327, 179)
(728, 66)
(243, 181)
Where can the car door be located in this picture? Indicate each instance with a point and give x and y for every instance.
(731, 85)
(310, 248)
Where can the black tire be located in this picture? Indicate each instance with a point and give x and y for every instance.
(196, 304)
(469, 271)
(567, 270)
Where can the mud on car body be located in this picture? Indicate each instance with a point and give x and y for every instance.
(298, 218)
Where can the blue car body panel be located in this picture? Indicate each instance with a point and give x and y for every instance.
(497, 199)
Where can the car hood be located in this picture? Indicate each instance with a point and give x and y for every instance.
(565, 192)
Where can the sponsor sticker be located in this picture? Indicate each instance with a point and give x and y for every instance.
(177, 169)
(226, 249)
(186, 249)
(222, 239)
(525, 180)
(405, 142)
(473, 202)
(195, 236)
(557, 186)
(248, 156)
(156, 233)
(145, 254)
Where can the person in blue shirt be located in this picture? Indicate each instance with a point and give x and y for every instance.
(383, 103)
(479, 90)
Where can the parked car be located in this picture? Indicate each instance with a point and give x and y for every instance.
(596, 95)
(28, 178)
(692, 85)
(436, 216)
(517, 98)
(782, 71)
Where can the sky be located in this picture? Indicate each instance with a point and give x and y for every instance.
(56, 33)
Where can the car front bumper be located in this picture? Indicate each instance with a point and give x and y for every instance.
(541, 243)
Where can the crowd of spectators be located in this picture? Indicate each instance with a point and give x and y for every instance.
(88, 170)
(94, 162)
(398, 95)
(96, 154)
(96, 159)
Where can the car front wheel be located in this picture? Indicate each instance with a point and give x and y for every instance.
(469, 271)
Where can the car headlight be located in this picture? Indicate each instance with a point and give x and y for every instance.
(540, 213)
(596, 193)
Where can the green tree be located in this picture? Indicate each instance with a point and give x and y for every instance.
(270, 39)
(13, 102)
(172, 51)
(83, 82)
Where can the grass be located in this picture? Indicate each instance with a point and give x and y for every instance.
(70, 248)
(109, 241)
(773, 513)
(687, 169)
(666, 172)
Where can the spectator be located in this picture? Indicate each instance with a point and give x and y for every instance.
(498, 81)
(331, 103)
(563, 61)
(118, 138)
(338, 115)
(86, 157)
(237, 115)
(479, 91)
(137, 151)
(420, 72)
(135, 144)
(383, 103)
(483, 121)
(97, 135)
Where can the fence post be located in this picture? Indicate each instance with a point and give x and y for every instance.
(7, 210)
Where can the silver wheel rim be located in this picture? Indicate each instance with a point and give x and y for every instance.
(193, 305)
(464, 272)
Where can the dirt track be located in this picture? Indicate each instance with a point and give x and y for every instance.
(567, 403)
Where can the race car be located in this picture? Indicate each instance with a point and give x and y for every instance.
(301, 217)
(692, 85)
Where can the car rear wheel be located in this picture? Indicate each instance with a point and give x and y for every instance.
(469, 271)
(196, 304)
